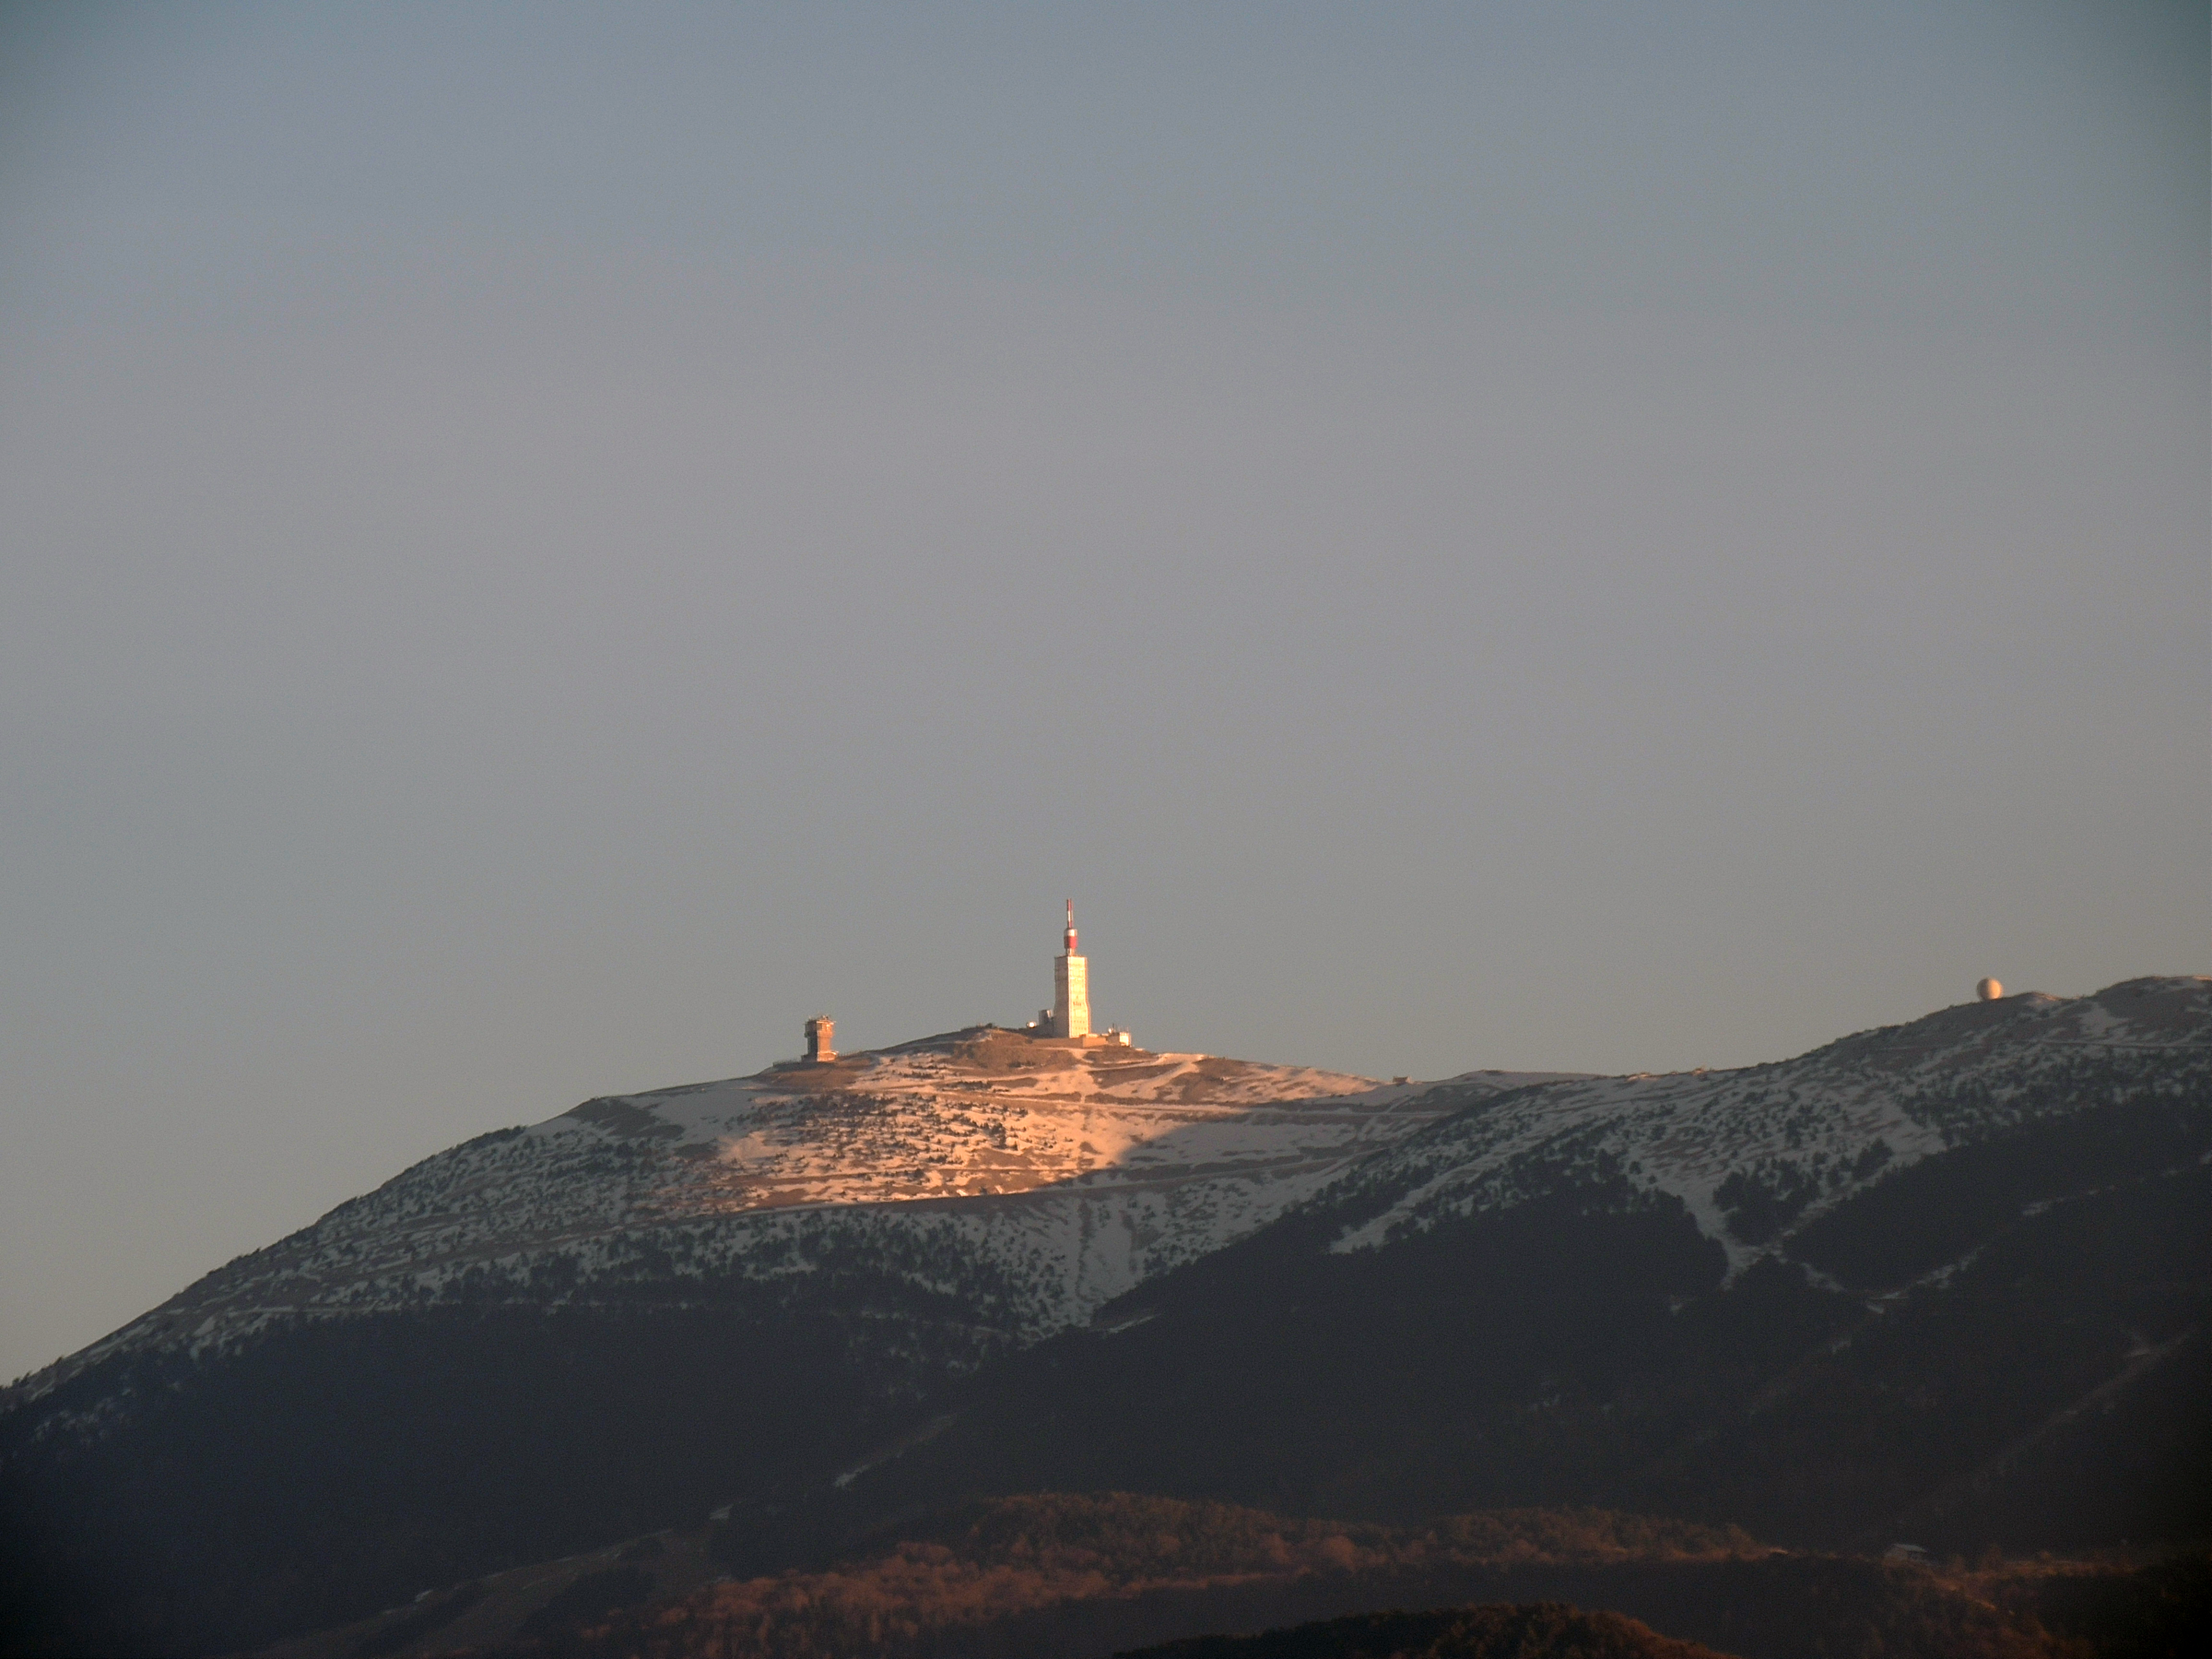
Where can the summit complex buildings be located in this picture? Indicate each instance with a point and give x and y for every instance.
(1069, 1016)
(1070, 1013)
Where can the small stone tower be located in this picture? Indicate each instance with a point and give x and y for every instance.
(1071, 987)
(821, 1040)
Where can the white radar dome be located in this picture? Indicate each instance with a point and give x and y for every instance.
(1988, 990)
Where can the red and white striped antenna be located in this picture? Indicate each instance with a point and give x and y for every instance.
(1070, 927)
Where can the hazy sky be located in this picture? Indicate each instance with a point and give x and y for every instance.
(541, 545)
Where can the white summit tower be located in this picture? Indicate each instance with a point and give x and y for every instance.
(1071, 987)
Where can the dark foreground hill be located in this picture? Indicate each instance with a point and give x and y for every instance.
(1547, 1629)
(1948, 1284)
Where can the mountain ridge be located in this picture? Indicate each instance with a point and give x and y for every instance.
(1837, 1104)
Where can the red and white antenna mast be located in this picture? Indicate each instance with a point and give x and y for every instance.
(1070, 927)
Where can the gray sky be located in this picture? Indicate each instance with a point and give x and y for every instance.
(539, 546)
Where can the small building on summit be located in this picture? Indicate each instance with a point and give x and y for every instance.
(821, 1040)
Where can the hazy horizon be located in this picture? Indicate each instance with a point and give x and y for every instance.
(546, 545)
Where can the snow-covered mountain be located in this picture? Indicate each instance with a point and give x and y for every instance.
(1038, 1178)
(987, 1260)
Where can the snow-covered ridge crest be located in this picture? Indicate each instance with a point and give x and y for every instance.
(1039, 1178)
(1783, 1142)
